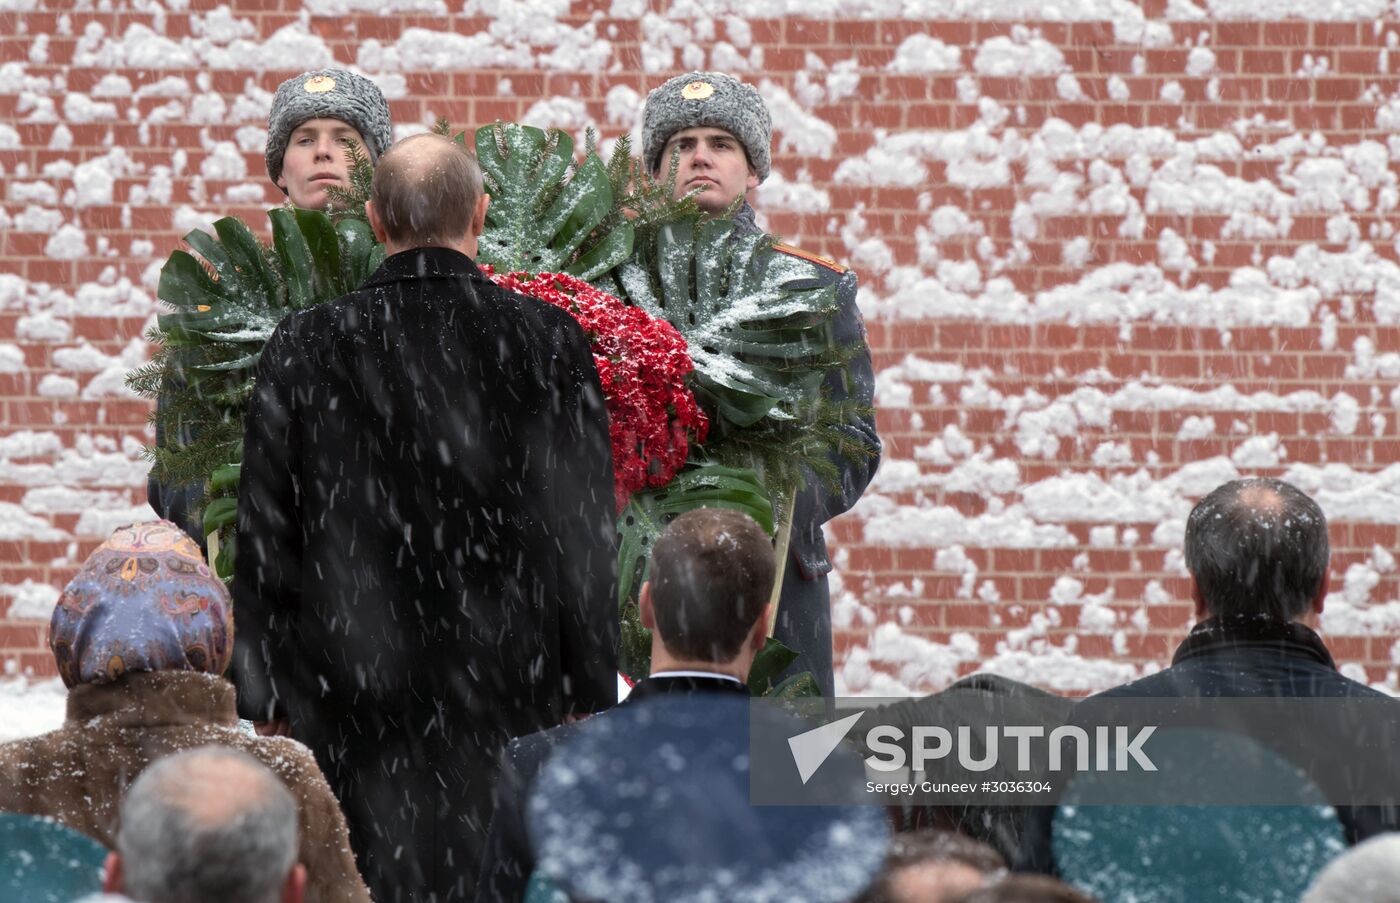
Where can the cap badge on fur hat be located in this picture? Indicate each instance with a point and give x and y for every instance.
(698, 90)
(319, 84)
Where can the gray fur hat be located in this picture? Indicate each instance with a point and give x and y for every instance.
(326, 94)
(710, 99)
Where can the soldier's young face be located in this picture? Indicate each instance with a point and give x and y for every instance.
(712, 160)
(315, 160)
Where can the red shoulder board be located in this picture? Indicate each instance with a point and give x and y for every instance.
(809, 257)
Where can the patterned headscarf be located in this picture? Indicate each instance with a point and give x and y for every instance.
(144, 601)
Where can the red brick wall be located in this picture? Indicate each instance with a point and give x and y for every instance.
(1085, 294)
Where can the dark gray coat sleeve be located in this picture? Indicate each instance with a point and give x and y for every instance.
(176, 504)
(267, 574)
(507, 863)
(585, 533)
(817, 504)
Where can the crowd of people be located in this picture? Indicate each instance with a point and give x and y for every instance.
(152, 764)
(423, 625)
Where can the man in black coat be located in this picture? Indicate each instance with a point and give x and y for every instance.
(706, 603)
(1258, 555)
(426, 531)
(721, 134)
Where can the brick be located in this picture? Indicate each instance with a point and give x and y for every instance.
(965, 616)
(1338, 89)
(1286, 34)
(1263, 62)
(1314, 117)
(855, 33)
(930, 116)
(1365, 62)
(20, 636)
(1091, 33)
(869, 558)
(1121, 114)
(1336, 34)
(1276, 366)
(1166, 62)
(807, 31)
(1287, 89)
(1237, 34)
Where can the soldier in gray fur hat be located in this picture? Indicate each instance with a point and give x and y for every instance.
(721, 131)
(312, 118)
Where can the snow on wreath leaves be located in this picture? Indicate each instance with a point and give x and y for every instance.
(760, 337)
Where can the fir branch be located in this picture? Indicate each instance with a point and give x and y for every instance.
(652, 202)
(792, 454)
(146, 379)
(215, 445)
(350, 202)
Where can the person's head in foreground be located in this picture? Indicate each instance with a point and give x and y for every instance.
(428, 193)
(1257, 547)
(933, 866)
(721, 130)
(311, 123)
(1367, 872)
(212, 825)
(706, 601)
(143, 601)
(1026, 889)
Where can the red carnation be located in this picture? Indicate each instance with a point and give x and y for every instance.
(643, 363)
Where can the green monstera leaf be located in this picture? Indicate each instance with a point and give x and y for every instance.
(759, 328)
(224, 304)
(701, 485)
(546, 213)
(768, 664)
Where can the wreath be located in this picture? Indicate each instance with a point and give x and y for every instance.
(711, 349)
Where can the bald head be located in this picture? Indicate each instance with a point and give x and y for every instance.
(212, 824)
(427, 192)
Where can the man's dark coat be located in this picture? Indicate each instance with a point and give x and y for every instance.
(505, 871)
(426, 552)
(1246, 656)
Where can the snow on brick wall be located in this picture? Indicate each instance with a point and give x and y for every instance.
(1109, 259)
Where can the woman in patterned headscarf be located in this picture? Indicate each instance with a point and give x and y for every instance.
(142, 636)
(144, 601)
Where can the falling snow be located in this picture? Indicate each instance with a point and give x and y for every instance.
(1060, 479)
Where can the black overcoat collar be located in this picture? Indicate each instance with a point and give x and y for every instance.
(1229, 632)
(425, 263)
